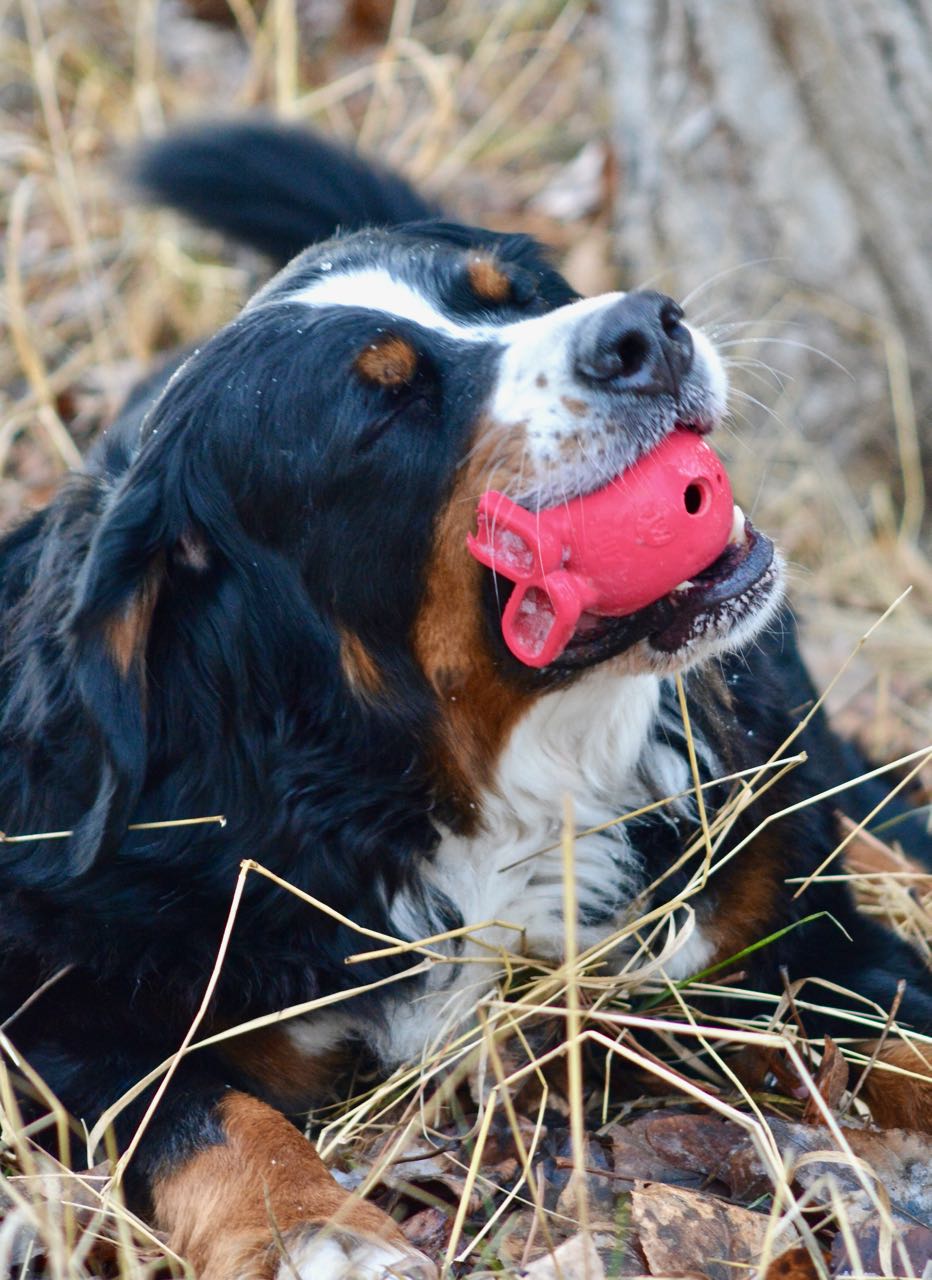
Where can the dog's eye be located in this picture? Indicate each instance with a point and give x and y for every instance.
(399, 376)
(375, 430)
(525, 290)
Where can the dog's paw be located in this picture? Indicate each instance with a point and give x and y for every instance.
(328, 1254)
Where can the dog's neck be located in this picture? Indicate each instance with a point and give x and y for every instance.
(608, 743)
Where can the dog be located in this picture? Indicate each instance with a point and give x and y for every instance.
(257, 603)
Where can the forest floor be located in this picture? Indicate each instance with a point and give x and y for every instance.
(551, 1143)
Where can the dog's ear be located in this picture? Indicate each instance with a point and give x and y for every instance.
(106, 634)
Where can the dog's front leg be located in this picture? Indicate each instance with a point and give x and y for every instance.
(250, 1199)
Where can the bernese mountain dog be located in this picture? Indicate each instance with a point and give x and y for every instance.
(257, 603)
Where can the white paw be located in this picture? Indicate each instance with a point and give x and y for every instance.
(340, 1255)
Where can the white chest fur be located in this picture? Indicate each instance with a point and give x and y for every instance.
(596, 742)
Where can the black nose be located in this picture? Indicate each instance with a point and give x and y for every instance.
(637, 344)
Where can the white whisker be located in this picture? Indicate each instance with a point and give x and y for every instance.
(726, 271)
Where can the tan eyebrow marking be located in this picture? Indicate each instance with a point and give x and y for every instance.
(487, 279)
(390, 362)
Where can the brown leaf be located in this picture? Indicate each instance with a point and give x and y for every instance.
(915, 1240)
(520, 1241)
(575, 1259)
(794, 1264)
(900, 1161)
(675, 1148)
(831, 1080)
(698, 1144)
(690, 1151)
(428, 1230)
(635, 1158)
(686, 1233)
(423, 1163)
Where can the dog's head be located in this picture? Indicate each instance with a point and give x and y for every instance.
(323, 455)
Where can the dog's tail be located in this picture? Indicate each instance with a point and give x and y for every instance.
(272, 186)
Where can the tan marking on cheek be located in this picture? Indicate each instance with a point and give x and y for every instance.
(478, 707)
(578, 408)
(126, 634)
(223, 1208)
(390, 362)
(487, 280)
(362, 674)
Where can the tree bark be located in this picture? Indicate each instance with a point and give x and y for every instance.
(788, 144)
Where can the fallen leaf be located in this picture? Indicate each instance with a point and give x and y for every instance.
(687, 1233)
(831, 1080)
(709, 1148)
(519, 1241)
(916, 1242)
(429, 1230)
(900, 1161)
(575, 1259)
(698, 1144)
(638, 1159)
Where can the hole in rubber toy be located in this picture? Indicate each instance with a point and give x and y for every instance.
(695, 497)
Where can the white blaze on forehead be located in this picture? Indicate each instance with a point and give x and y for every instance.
(375, 289)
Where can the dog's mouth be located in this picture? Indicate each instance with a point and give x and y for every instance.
(735, 587)
(593, 575)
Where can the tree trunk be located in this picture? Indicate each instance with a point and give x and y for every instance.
(787, 144)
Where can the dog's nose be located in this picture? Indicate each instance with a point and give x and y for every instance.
(637, 344)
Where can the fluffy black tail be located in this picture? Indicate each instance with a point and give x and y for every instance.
(274, 187)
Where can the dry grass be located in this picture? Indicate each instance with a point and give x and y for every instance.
(485, 104)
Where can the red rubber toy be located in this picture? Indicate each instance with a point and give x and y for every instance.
(608, 553)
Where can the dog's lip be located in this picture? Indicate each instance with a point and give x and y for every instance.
(699, 426)
(733, 576)
(737, 580)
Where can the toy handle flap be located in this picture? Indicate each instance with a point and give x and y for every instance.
(510, 540)
(539, 619)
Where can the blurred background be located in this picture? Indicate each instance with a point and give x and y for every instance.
(767, 161)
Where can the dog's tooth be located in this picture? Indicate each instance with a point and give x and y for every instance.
(683, 586)
(737, 526)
